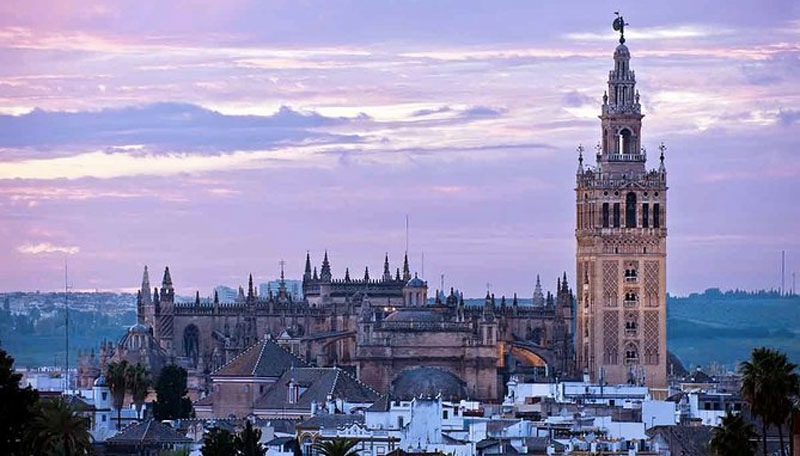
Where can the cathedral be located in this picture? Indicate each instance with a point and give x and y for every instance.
(394, 338)
(381, 329)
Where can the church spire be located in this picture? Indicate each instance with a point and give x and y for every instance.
(250, 290)
(366, 274)
(387, 274)
(538, 296)
(325, 272)
(406, 269)
(146, 287)
(307, 273)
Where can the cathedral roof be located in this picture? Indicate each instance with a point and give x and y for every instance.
(428, 382)
(148, 432)
(415, 314)
(263, 359)
(316, 385)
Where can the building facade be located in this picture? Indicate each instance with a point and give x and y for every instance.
(621, 232)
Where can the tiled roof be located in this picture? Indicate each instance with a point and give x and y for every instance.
(684, 440)
(316, 384)
(263, 359)
(331, 421)
(148, 432)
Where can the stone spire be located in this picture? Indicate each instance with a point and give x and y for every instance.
(387, 274)
(538, 296)
(315, 276)
(167, 292)
(397, 275)
(197, 299)
(156, 301)
(250, 290)
(346, 274)
(366, 274)
(282, 283)
(146, 288)
(325, 272)
(406, 269)
(307, 273)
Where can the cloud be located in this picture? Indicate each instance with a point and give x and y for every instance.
(166, 127)
(685, 31)
(789, 116)
(575, 99)
(46, 247)
(481, 112)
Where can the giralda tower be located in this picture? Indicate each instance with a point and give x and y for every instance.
(621, 244)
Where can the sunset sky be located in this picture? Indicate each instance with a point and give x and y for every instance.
(221, 137)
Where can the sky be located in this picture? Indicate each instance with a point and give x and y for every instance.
(220, 138)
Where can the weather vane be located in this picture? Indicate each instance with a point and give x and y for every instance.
(619, 25)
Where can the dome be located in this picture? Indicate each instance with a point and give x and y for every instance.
(416, 282)
(428, 382)
(100, 381)
(415, 314)
(622, 50)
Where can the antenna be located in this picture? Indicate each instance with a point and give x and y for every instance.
(783, 271)
(406, 233)
(66, 325)
(422, 271)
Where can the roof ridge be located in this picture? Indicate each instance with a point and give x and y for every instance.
(260, 355)
(144, 434)
(335, 380)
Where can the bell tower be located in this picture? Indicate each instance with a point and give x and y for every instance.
(621, 243)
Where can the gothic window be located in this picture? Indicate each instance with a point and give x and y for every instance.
(645, 215)
(605, 215)
(616, 215)
(191, 343)
(656, 215)
(630, 210)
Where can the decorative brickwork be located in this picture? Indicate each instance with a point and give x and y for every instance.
(651, 276)
(651, 334)
(610, 282)
(610, 337)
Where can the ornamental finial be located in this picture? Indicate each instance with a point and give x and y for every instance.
(619, 25)
(580, 158)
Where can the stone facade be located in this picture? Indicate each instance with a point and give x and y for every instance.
(621, 234)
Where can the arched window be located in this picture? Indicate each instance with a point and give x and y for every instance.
(630, 210)
(616, 215)
(625, 141)
(656, 215)
(605, 215)
(645, 215)
(631, 354)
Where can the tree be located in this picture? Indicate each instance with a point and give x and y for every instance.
(138, 383)
(337, 447)
(733, 437)
(16, 407)
(768, 385)
(59, 430)
(247, 442)
(117, 379)
(171, 401)
(218, 442)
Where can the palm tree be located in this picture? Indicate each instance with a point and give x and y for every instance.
(768, 384)
(138, 383)
(337, 447)
(58, 429)
(117, 381)
(733, 437)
